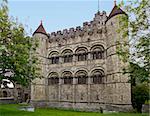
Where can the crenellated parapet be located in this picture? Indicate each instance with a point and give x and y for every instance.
(97, 25)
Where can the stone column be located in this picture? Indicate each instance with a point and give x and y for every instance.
(74, 90)
(89, 56)
(74, 59)
(88, 87)
(59, 90)
(60, 60)
(46, 89)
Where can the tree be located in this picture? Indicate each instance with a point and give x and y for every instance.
(139, 87)
(17, 61)
(138, 25)
(140, 95)
(138, 74)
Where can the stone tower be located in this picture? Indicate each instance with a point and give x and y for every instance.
(120, 86)
(38, 86)
(81, 68)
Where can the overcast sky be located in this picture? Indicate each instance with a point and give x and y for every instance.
(56, 14)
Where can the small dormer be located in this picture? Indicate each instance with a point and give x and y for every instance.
(40, 29)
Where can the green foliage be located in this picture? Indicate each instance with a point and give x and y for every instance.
(147, 102)
(137, 28)
(137, 73)
(139, 86)
(140, 95)
(17, 61)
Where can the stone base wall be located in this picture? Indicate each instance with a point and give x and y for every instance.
(145, 108)
(7, 100)
(94, 107)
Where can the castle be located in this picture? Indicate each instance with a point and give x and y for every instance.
(81, 67)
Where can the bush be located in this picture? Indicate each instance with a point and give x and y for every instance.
(140, 94)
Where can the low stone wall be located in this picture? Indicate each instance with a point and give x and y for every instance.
(146, 108)
(27, 108)
(7, 100)
(92, 107)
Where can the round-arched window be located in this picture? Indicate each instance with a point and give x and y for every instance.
(54, 58)
(97, 52)
(53, 78)
(67, 77)
(82, 54)
(82, 77)
(97, 76)
(67, 56)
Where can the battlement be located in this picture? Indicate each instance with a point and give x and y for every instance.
(96, 24)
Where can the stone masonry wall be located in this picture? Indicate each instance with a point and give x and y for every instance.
(115, 89)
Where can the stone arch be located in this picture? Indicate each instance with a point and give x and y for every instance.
(97, 51)
(67, 77)
(53, 75)
(53, 53)
(66, 48)
(66, 51)
(81, 53)
(66, 74)
(97, 68)
(81, 46)
(97, 76)
(7, 83)
(101, 43)
(82, 68)
(5, 94)
(66, 69)
(97, 71)
(53, 78)
(67, 55)
(81, 76)
(81, 72)
(81, 50)
(97, 47)
(54, 57)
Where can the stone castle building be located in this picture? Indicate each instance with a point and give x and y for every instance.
(13, 94)
(81, 66)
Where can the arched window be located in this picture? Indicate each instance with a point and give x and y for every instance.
(97, 52)
(97, 76)
(67, 77)
(53, 78)
(67, 56)
(82, 54)
(54, 58)
(4, 93)
(82, 77)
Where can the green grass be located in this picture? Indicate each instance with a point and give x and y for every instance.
(12, 110)
(147, 102)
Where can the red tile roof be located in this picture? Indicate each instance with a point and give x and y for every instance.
(40, 29)
(115, 11)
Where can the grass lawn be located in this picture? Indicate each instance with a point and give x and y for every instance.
(12, 110)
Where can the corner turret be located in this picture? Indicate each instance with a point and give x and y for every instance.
(40, 29)
(115, 11)
(41, 37)
(114, 65)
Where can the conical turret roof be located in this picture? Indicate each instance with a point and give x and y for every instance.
(115, 11)
(40, 29)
